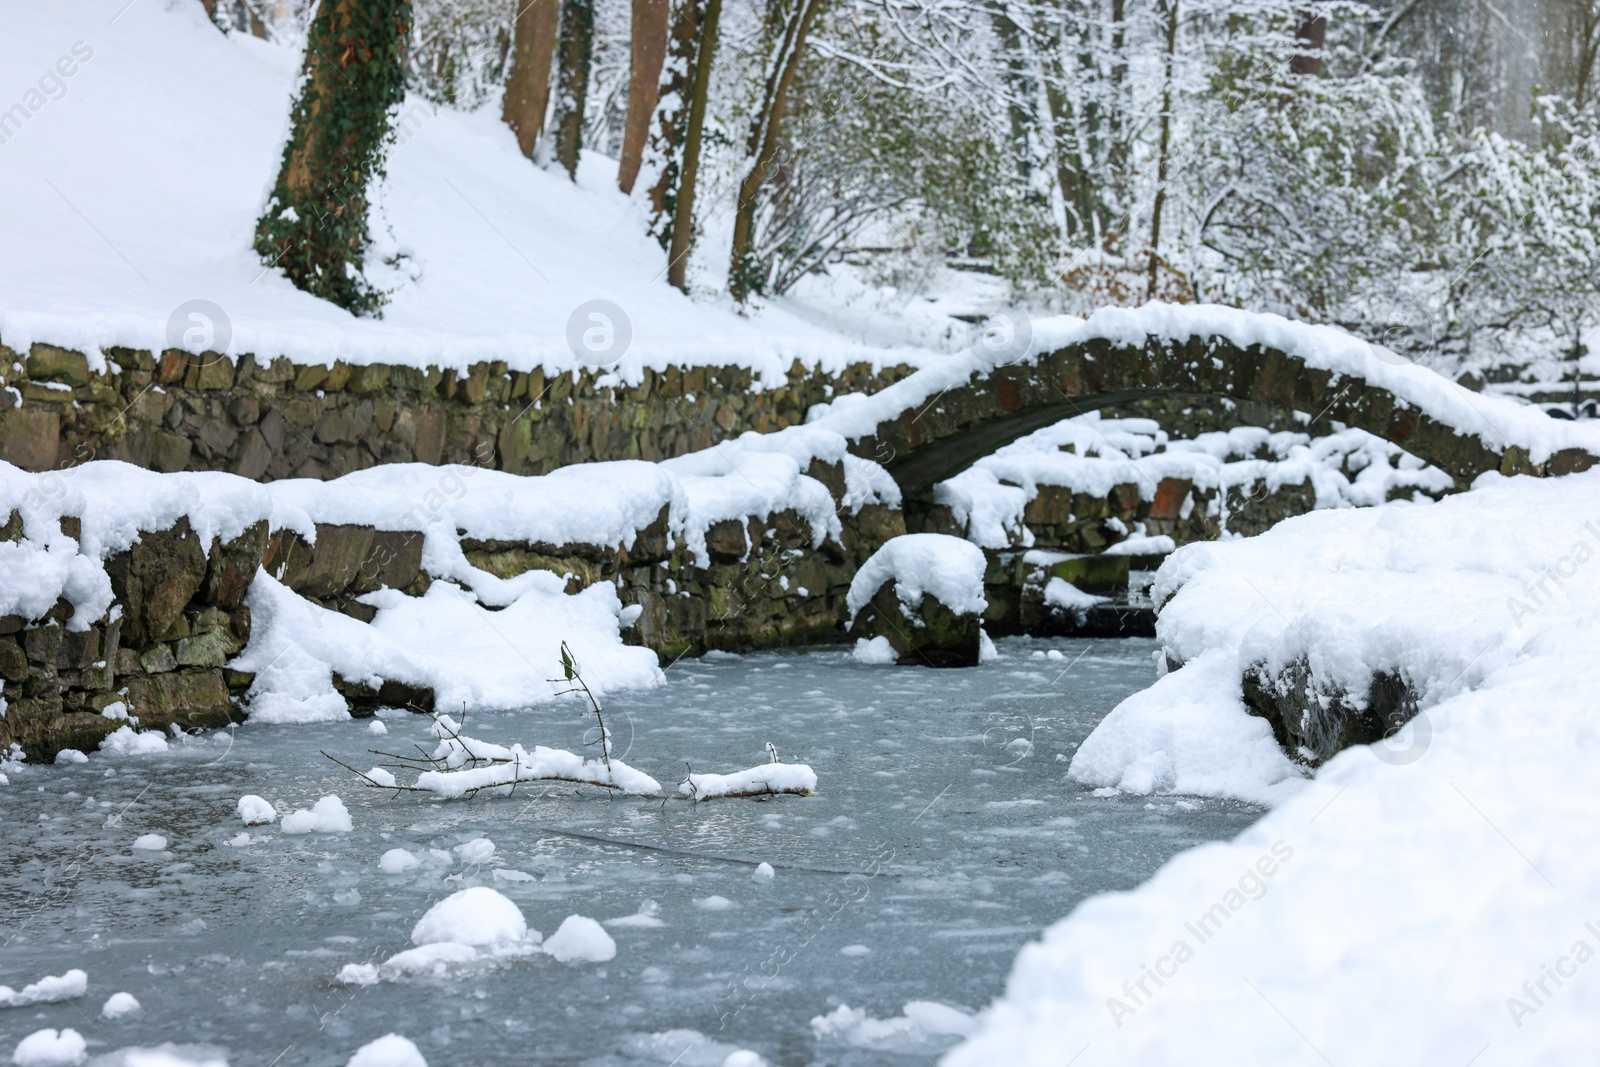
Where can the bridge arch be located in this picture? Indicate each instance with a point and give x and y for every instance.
(937, 422)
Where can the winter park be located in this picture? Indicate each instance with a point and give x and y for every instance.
(778, 533)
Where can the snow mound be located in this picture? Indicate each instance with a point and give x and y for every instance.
(949, 568)
(255, 811)
(398, 861)
(326, 816)
(71, 755)
(119, 1004)
(47, 990)
(123, 741)
(51, 1048)
(767, 778)
(390, 1050)
(924, 1024)
(580, 940)
(478, 916)
(874, 652)
(150, 842)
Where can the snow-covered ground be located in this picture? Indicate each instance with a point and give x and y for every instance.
(1427, 900)
(132, 185)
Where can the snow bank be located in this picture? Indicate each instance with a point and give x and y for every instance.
(1453, 873)
(125, 741)
(503, 257)
(919, 564)
(47, 990)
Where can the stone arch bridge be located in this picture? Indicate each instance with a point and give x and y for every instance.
(928, 429)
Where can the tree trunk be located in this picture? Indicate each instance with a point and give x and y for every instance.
(572, 81)
(1165, 142)
(664, 151)
(743, 273)
(314, 227)
(528, 85)
(1117, 144)
(683, 210)
(648, 52)
(1308, 37)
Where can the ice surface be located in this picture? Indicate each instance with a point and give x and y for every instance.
(286, 943)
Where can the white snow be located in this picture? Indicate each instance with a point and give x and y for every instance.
(1456, 860)
(477, 916)
(1501, 422)
(326, 816)
(767, 778)
(503, 254)
(51, 1048)
(255, 811)
(119, 1004)
(376, 726)
(150, 842)
(478, 850)
(949, 568)
(71, 755)
(713, 903)
(398, 861)
(873, 652)
(763, 872)
(47, 990)
(1060, 593)
(390, 1050)
(924, 1024)
(580, 940)
(123, 741)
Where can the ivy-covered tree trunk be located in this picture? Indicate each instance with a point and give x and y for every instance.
(576, 51)
(674, 152)
(315, 225)
(533, 46)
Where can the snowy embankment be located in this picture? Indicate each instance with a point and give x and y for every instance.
(1091, 455)
(1427, 900)
(106, 239)
(444, 639)
(1499, 421)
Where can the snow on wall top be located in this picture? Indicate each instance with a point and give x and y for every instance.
(135, 190)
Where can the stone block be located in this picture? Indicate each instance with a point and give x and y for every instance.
(54, 364)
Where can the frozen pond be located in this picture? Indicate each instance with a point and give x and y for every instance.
(950, 785)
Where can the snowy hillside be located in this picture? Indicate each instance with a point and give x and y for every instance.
(132, 186)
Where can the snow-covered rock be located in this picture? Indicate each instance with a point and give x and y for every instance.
(255, 811)
(326, 816)
(580, 940)
(477, 916)
(51, 1048)
(390, 1050)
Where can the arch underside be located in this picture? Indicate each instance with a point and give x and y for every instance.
(947, 434)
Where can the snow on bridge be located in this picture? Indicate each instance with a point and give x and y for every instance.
(936, 422)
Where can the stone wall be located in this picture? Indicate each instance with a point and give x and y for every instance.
(176, 411)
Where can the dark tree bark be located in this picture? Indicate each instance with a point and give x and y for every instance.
(527, 96)
(683, 210)
(1164, 145)
(744, 274)
(314, 227)
(575, 56)
(647, 53)
(1309, 34)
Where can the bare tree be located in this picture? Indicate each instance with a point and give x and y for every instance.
(528, 84)
(648, 40)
